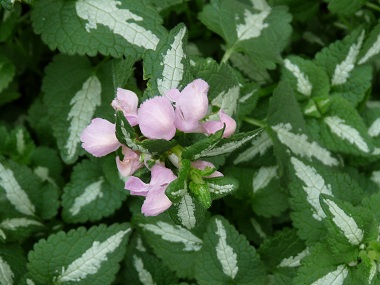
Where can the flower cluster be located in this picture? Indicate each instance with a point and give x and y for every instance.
(157, 118)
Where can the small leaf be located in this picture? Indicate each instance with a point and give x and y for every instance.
(228, 145)
(221, 186)
(196, 150)
(371, 46)
(81, 256)
(167, 66)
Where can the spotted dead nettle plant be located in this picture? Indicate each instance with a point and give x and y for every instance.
(189, 142)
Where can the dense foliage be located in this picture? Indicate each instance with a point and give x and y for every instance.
(234, 142)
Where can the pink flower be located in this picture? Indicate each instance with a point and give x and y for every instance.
(191, 105)
(127, 102)
(156, 201)
(201, 164)
(213, 126)
(156, 118)
(99, 138)
(130, 163)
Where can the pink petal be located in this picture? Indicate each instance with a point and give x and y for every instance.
(130, 163)
(161, 176)
(156, 202)
(213, 126)
(156, 118)
(136, 186)
(230, 124)
(173, 94)
(99, 138)
(201, 164)
(127, 102)
(192, 105)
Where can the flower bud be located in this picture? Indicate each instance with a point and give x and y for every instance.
(127, 102)
(156, 118)
(99, 138)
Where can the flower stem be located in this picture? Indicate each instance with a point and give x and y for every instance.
(254, 122)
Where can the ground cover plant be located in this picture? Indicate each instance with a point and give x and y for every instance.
(189, 142)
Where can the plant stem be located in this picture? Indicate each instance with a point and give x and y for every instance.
(227, 55)
(254, 122)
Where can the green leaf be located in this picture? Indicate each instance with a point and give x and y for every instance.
(47, 165)
(25, 192)
(226, 257)
(342, 220)
(308, 79)
(9, 21)
(188, 212)
(122, 70)
(309, 182)
(290, 129)
(178, 188)
(114, 28)
(328, 271)
(159, 146)
(83, 93)
(166, 67)
(143, 268)
(228, 145)
(339, 60)
(249, 28)
(345, 7)
(196, 150)
(12, 264)
(80, 256)
(221, 186)
(17, 227)
(289, 249)
(224, 86)
(259, 146)
(345, 131)
(89, 196)
(20, 145)
(177, 247)
(7, 71)
(371, 47)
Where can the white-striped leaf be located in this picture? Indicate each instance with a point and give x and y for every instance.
(309, 181)
(342, 220)
(90, 195)
(23, 193)
(175, 245)
(371, 46)
(227, 257)
(335, 277)
(260, 145)
(131, 27)
(167, 66)
(343, 130)
(94, 257)
(144, 268)
(308, 79)
(348, 80)
(12, 264)
(249, 28)
(228, 145)
(81, 95)
(299, 144)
